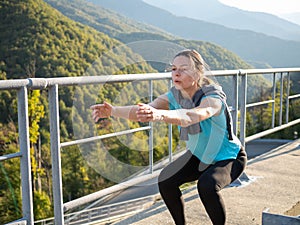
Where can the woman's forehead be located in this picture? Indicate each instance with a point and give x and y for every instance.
(181, 61)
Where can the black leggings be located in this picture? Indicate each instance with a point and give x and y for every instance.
(210, 182)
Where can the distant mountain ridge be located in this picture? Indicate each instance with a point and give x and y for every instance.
(256, 48)
(216, 12)
(129, 31)
(292, 17)
(100, 18)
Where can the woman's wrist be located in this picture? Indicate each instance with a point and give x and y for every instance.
(159, 116)
(113, 111)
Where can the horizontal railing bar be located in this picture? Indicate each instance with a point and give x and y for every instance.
(13, 84)
(271, 70)
(10, 156)
(42, 83)
(103, 79)
(259, 103)
(294, 96)
(270, 131)
(44, 221)
(97, 138)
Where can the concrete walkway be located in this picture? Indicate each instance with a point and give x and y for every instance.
(275, 185)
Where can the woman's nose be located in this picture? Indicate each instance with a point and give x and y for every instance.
(177, 72)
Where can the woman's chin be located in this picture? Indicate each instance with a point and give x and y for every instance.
(177, 86)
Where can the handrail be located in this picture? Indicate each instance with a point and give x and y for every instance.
(52, 84)
(44, 83)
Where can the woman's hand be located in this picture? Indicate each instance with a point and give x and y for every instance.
(147, 113)
(184, 118)
(101, 111)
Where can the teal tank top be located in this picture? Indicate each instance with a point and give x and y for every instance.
(212, 143)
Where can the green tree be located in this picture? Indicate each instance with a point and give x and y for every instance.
(10, 193)
(42, 203)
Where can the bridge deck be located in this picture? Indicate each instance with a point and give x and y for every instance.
(275, 186)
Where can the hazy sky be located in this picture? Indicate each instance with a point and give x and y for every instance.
(277, 7)
(270, 6)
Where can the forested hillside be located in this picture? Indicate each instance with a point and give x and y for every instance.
(37, 41)
(76, 39)
(256, 48)
(127, 30)
(104, 20)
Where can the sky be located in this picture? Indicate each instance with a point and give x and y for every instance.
(277, 7)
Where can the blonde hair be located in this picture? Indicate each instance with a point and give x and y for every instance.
(199, 65)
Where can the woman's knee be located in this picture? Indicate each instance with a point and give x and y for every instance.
(207, 186)
(242, 157)
(163, 182)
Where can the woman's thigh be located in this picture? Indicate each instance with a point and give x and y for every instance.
(224, 172)
(182, 170)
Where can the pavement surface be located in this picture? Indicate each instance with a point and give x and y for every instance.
(274, 185)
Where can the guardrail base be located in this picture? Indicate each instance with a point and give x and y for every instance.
(242, 180)
(277, 219)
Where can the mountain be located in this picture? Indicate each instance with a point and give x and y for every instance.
(38, 41)
(130, 32)
(255, 48)
(216, 12)
(156, 41)
(102, 19)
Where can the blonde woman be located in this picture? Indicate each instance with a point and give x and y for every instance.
(214, 155)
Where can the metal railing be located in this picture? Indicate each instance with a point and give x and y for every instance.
(104, 214)
(52, 84)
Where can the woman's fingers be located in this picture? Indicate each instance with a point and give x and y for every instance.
(144, 112)
(95, 117)
(101, 111)
(96, 114)
(143, 109)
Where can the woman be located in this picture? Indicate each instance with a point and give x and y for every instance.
(214, 154)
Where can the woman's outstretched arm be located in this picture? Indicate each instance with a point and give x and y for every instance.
(106, 109)
(158, 110)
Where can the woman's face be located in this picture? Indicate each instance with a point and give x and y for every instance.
(184, 76)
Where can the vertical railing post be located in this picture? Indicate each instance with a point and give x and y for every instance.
(26, 180)
(170, 136)
(281, 99)
(243, 108)
(273, 97)
(287, 98)
(235, 103)
(151, 130)
(55, 154)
